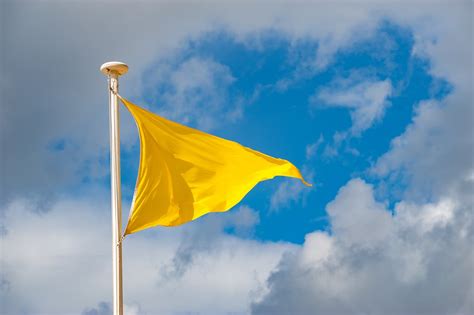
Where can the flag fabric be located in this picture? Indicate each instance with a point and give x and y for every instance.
(185, 173)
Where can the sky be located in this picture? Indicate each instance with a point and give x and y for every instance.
(371, 100)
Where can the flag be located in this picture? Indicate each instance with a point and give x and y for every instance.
(185, 173)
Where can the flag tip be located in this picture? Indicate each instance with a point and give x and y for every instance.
(306, 183)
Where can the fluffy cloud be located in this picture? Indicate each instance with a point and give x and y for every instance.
(415, 261)
(435, 153)
(104, 308)
(39, 113)
(59, 263)
(287, 193)
(64, 92)
(60, 97)
(291, 191)
(194, 92)
(417, 258)
(367, 100)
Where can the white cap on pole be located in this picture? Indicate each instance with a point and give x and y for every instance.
(117, 67)
(113, 70)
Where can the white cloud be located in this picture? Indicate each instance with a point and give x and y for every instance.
(198, 241)
(73, 101)
(291, 191)
(434, 154)
(358, 219)
(59, 262)
(339, 139)
(104, 308)
(64, 95)
(416, 261)
(288, 193)
(312, 148)
(367, 100)
(419, 259)
(194, 92)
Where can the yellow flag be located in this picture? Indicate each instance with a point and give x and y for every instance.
(185, 173)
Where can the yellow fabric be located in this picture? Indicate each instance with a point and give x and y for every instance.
(185, 173)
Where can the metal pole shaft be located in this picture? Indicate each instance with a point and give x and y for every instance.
(116, 201)
(114, 69)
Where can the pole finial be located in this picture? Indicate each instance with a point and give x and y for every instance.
(116, 67)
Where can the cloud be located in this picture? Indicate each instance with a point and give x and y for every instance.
(372, 256)
(312, 148)
(198, 241)
(104, 308)
(420, 252)
(69, 104)
(354, 213)
(55, 102)
(194, 92)
(288, 193)
(379, 263)
(63, 97)
(366, 100)
(58, 262)
(291, 191)
(339, 138)
(434, 154)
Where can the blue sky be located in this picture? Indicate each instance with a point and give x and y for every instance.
(371, 100)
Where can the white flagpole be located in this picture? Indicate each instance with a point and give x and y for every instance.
(113, 70)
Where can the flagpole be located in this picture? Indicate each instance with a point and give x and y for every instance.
(113, 70)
